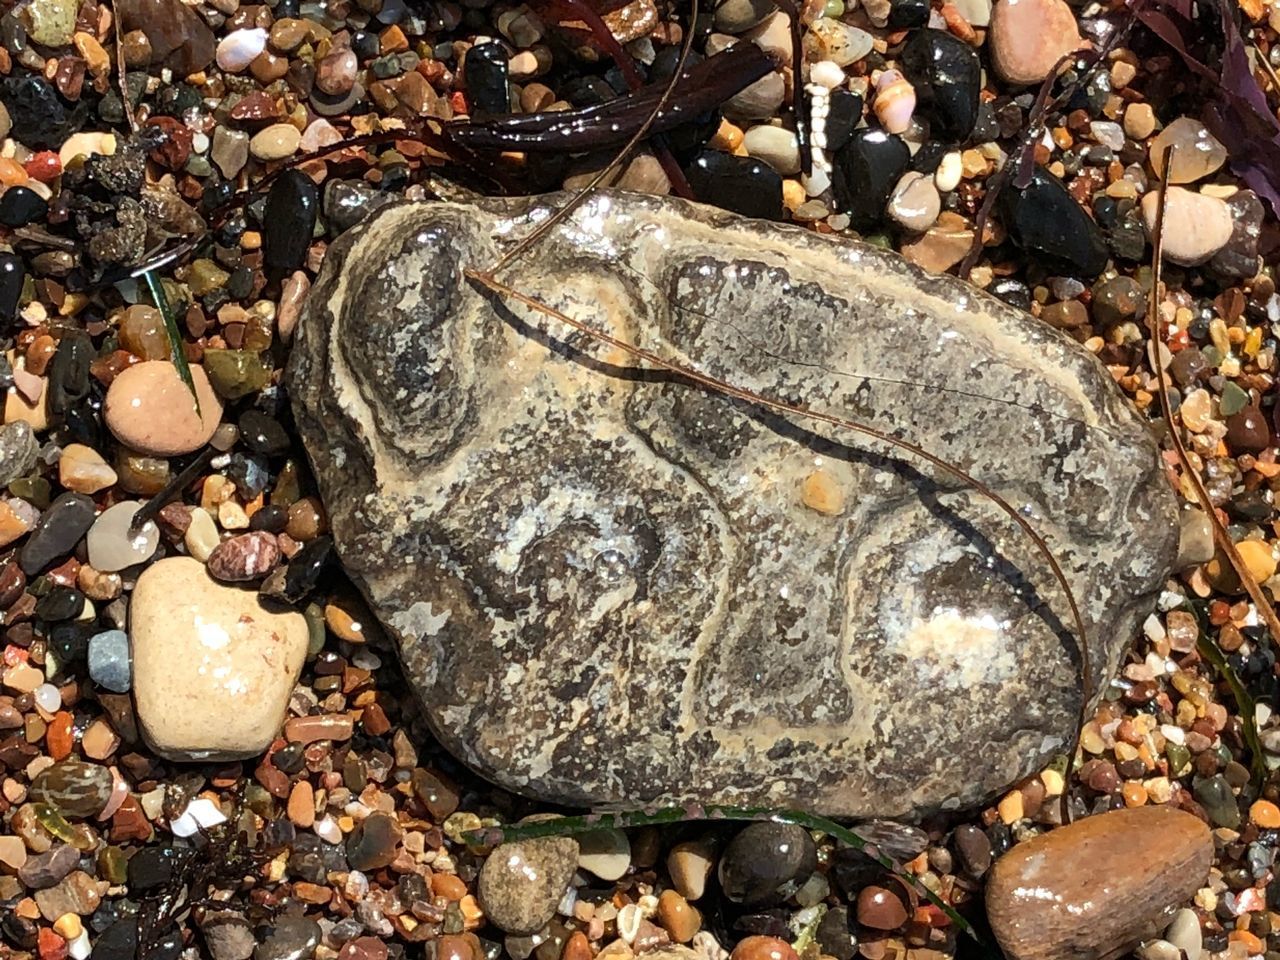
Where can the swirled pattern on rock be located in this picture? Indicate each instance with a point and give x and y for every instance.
(612, 588)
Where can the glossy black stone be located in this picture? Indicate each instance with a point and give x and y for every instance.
(20, 206)
(844, 113)
(289, 217)
(739, 184)
(1045, 221)
(304, 569)
(1012, 291)
(118, 942)
(57, 532)
(865, 172)
(69, 379)
(485, 73)
(12, 273)
(263, 434)
(40, 117)
(947, 76)
(153, 867)
(904, 14)
(272, 518)
(766, 863)
(364, 45)
(249, 474)
(60, 603)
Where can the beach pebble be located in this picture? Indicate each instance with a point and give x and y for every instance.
(765, 863)
(18, 451)
(212, 668)
(775, 146)
(1196, 152)
(113, 546)
(239, 48)
(606, 853)
(1184, 933)
(275, 142)
(58, 531)
(1028, 37)
(79, 790)
(915, 202)
(841, 43)
(83, 470)
(249, 556)
(149, 409)
(1196, 225)
(738, 16)
(1097, 887)
(109, 660)
(521, 883)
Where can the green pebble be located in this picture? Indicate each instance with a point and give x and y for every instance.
(1210, 353)
(1179, 759)
(35, 490)
(51, 23)
(236, 373)
(314, 615)
(113, 866)
(1233, 400)
(833, 9)
(205, 276)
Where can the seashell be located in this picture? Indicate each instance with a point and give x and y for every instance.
(895, 101)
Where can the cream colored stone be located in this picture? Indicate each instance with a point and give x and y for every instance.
(1028, 38)
(83, 470)
(1195, 226)
(149, 409)
(212, 667)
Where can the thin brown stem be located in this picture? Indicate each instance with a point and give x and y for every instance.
(123, 76)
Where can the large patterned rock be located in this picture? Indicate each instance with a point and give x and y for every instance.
(611, 587)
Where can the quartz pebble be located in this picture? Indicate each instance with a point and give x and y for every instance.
(113, 544)
(915, 202)
(1196, 225)
(1196, 152)
(149, 409)
(521, 883)
(775, 146)
(239, 48)
(212, 667)
(690, 863)
(1028, 37)
(1042, 895)
(606, 853)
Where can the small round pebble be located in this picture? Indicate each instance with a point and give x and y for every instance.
(149, 409)
(521, 883)
(275, 142)
(109, 664)
(112, 543)
(1028, 38)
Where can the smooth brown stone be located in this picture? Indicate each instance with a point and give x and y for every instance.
(880, 909)
(1092, 890)
(150, 409)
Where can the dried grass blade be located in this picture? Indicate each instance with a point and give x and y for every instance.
(175, 338)
(1221, 538)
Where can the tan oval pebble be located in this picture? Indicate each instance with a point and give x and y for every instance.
(1196, 152)
(83, 470)
(1096, 888)
(149, 409)
(1028, 37)
(1196, 225)
(275, 142)
(212, 668)
(689, 864)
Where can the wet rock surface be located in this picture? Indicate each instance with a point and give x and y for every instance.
(653, 481)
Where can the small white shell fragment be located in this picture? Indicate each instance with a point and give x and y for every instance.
(201, 814)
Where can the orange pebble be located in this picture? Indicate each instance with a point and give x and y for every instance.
(11, 173)
(1252, 945)
(60, 737)
(448, 886)
(1135, 794)
(1265, 814)
(763, 948)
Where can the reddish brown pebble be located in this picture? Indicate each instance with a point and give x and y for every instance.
(577, 948)
(763, 948)
(374, 720)
(1044, 896)
(60, 737)
(249, 556)
(679, 919)
(329, 726)
(448, 886)
(880, 909)
(1247, 431)
(302, 804)
(363, 948)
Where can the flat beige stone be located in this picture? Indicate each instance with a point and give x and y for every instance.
(149, 409)
(1196, 225)
(212, 667)
(1029, 37)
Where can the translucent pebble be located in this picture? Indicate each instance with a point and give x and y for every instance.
(201, 814)
(47, 697)
(113, 546)
(826, 73)
(240, 48)
(328, 830)
(839, 42)
(1196, 152)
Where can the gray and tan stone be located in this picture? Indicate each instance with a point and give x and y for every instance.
(612, 588)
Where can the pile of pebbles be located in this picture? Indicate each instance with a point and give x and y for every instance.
(162, 779)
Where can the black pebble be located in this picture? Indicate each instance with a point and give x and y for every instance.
(167, 946)
(70, 639)
(904, 14)
(844, 113)
(365, 45)
(766, 863)
(929, 156)
(69, 378)
(305, 568)
(60, 603)
(152, 867)
(20, 206)
(40, 117)
(739, 184)
(272, 518)
(289, 217)
(12, 274)
(249, 474)
(1011, 291)
(263, 434)
(1045, 221)
(947, 76)
(485, 73)
(865, 172)
(118, 942)
(57, 532)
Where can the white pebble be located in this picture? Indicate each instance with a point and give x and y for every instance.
(826, 73)
(839, 42)
(47, 697)
(817, 183)
(1173, 733)
(947, 177)
(199, 142)
(240, 48)
(328, 830)
(629, 918)
(201, 814)
(80, 948)
(775, 146)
